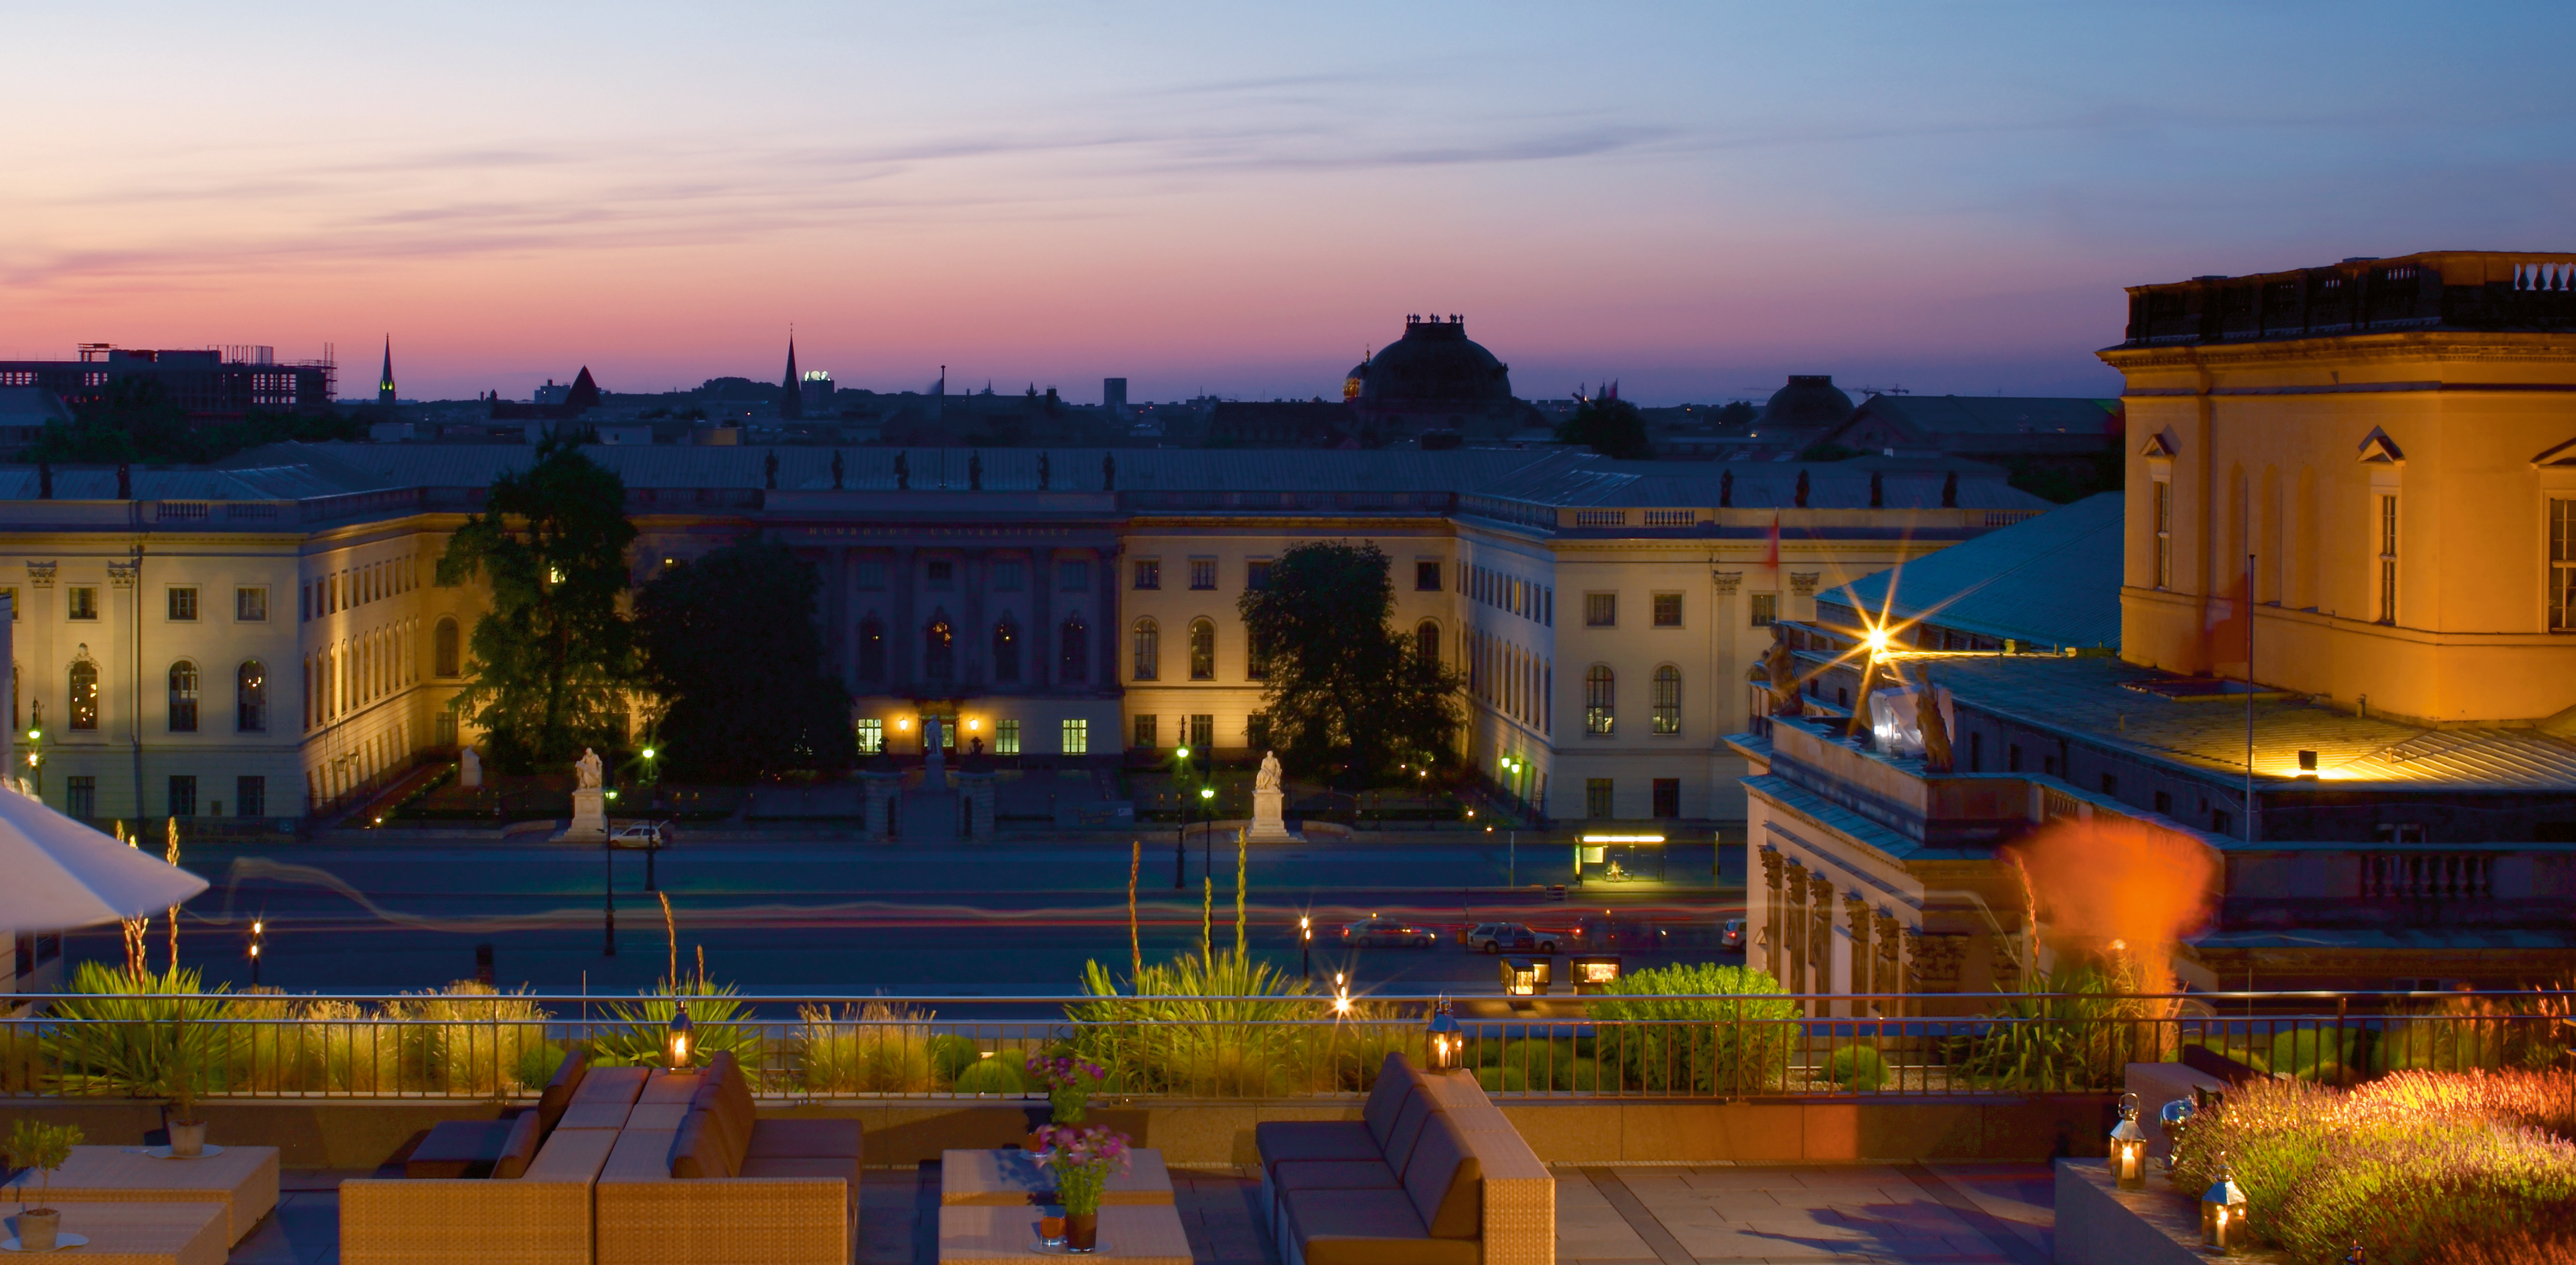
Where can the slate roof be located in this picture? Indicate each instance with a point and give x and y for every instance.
(1966, 416)
(2053, 580)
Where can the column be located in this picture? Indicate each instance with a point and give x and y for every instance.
(842, 585)
(1891, 978)
(1105, 650)
(974, 632)
(1856, 916)
(1039, 668)
(903, 631)
(1793, 936)
(1774, 950)
(1820, 929)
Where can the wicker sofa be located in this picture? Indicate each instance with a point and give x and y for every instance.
(1431, 1173)
(724, 1187)
(533, 1209)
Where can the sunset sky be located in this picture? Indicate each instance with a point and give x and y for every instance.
(1695, 199)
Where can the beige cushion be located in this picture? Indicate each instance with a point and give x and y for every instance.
(1282, 1140)
(519, 1148)
(558, 1092)
(1396, 1081)
(1366, 1227)
(1334, 1175)
(804, 1139)
(1444, 1182)
(698, 1150)
(804, 1166)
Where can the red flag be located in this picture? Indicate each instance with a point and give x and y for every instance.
(2227, 629)
(1771, 555)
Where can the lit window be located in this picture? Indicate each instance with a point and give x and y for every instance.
(939, 650)
(1202, 650)
(1668, 699)
(84, 695)
(1077, 737)
(183, 697)
(1600, 700)
(871, 736)
(1006, 738)
(80, 602)
(1073, 651)
(250, 697)
(1766, 609)
(183, 605)
(1149, 650)
(1006, 650)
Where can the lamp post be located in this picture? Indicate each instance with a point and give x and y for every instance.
(36, 751)
(1207, 829)
(1305, 946)
(1180, 837)
(608, 898)
(258, 926)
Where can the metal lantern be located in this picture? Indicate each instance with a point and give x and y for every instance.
(1448, 1044)
(2175, 1118)
(2223, 1227)
(2129, 1147)
(682, 1043)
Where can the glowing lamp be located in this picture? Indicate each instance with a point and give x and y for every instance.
(1181, 752)
(1877, 640)
(1305, 929)
(648, 753)
(1207, 792)
(2129, 1147)
(681, 1044)
(2174, 1118)
(2223, 1227)
(1448, 1044)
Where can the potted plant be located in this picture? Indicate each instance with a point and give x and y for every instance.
(187, 1131)
(43, 1147)
(1069, 1083)
(1083, 1160)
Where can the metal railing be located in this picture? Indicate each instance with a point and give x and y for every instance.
(806, 1048)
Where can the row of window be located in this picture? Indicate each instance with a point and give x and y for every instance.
(1533, 602)
(939, 650)
(1601, 700)
(359, 671)
(1073, 737)
(80, 602)
(1196, 731)
(1202, 571)
(250, 698)
(1505, 676)
(250, 797)
(1599, 797)
(1148, 647)
(1001, 576)
(356, 586)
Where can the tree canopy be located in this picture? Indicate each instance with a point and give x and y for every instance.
(549, 667)
(135, 420)
(1612, 428)
(730, 642)
(1346, 691)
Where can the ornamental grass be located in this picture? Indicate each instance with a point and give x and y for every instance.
(1720, 1029)
(1222, 1024)
(2419, 1167)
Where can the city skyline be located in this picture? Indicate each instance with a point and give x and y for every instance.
(1694, 201)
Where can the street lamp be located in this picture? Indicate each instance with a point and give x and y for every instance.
(1207, 828)
(258, 926)
(1305, 946)
(1181, 836)
(608, 896)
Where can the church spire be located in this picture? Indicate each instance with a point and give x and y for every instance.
(385, 380)
(791, 401)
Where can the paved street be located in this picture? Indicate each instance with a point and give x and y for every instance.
(777, 914)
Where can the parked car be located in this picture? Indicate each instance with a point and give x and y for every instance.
(1499, 937)
(644, 834)
(1731, 937)
(1387, 931)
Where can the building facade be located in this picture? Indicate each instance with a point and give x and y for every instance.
(279, 645)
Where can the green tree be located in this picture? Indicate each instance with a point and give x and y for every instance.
(1609, 427)
(1345, 688)
(549, 667)
(730, 642)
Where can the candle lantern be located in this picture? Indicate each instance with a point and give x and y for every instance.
(681, 1044)
(2129, 1147)
(2175, 1118)
(1448, 1044)
(2223, 1220)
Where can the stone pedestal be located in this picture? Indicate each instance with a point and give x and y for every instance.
(878, 793)
(975, 794)
(589, 816)
(1267, 825)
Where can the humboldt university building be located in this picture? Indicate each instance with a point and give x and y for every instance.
(266, 639)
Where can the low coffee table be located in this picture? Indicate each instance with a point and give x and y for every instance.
(1141, 1234)
(1015, 1179)
(243, 1179)
(142, 1233)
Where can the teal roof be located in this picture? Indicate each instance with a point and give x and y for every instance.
(2052, 580)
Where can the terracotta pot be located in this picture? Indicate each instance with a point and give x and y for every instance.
(37, 1229)
(1034, 1142)
(1082, 1230)
(188, 1137)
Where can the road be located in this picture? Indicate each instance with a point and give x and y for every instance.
(783, 916)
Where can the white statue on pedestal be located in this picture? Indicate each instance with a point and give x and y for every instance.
(1268, 826)
(469, 769)
(589, 801)
(934, 769)
(586, 770)
(1268, 779)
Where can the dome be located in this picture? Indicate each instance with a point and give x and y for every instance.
(1434, 366)
(1810, 399)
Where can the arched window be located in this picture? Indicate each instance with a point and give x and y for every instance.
(183, 697)
(939, 649)
(1600, 699)
(1202, 650)
(1006, 650)
(447, 649)
(84, 698)
(1426, 641)
(1149, 650)
(1668, 699)
(250, 696)
(1073, 651)
(872, 649)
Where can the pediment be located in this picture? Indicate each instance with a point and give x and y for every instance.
(2378, 449)
(2564, 455)
(2160, 446)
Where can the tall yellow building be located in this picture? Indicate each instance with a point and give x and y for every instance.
(2392, 444)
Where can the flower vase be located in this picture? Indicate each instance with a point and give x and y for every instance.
(1082, 1231)
(188, 1138)
(38, 1230)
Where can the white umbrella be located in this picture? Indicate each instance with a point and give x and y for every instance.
(56, 873)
